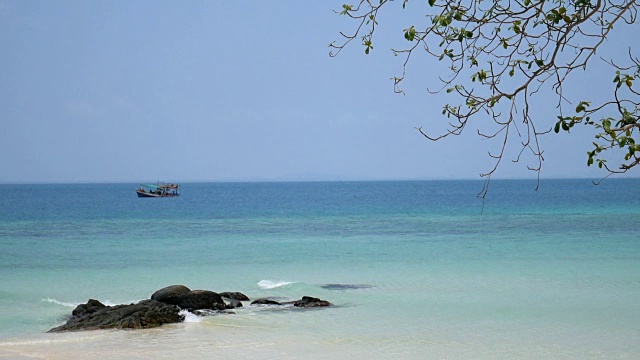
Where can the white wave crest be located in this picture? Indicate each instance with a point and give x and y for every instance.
(105, 302)
(57, 302)
(270, 284)
(190, 317)
(111, 303)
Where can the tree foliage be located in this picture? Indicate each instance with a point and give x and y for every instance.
(500, 53)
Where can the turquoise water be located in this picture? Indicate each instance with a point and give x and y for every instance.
(553, 273)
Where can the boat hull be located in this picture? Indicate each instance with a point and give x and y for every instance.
(145, 194)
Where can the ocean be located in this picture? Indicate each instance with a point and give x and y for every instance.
(414, 269)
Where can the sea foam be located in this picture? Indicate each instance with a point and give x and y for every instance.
(73, 305)
(270, 284)
(189, 316)
(57, 302)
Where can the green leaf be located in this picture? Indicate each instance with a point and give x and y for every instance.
(410, 33)
(582, 106)
(345, 9)
(432, 2)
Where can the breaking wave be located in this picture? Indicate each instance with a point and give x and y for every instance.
(270, 284)
(190, 317)
(57, 302)
(73, 305)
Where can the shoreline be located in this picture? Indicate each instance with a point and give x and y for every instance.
(198, 340)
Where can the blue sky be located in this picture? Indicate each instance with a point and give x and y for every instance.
(94, 91)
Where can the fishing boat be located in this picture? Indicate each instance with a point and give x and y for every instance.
(158, 190)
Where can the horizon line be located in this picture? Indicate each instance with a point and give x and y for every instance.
(255, 180)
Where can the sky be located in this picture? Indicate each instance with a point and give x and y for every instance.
(140, 91)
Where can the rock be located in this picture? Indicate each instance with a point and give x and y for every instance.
(305, 302)
(171, 294)
(235, 296)
(201, 299)
(187, 299)
(264, 301)
(89, 308)
(143, 315)
(308, 302)
(164, 307)
(214, 312)
(232, 303)
(346, 286)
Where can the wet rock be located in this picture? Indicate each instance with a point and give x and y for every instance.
(214, 312)
(264, 301)
(143, 315)
(346, 286)
(235, 296)
(171, 294)
(232, 303)
(187, 299)
(89, 308)
(309, 302)
(201, 299)
(164, 308)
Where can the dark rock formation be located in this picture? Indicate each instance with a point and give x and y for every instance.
(346, 286)
(89, 308)
(201, 299)
(232, 303)
(171, 294)
(187, 299)
(146, 314)
(164, 307)
(264, 301)
(309, 302)
(305, 302)
(235, 296)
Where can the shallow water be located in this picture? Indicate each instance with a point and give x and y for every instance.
(414, 269)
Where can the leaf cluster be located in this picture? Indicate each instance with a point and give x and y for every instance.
(615, 133)
(500, 53)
